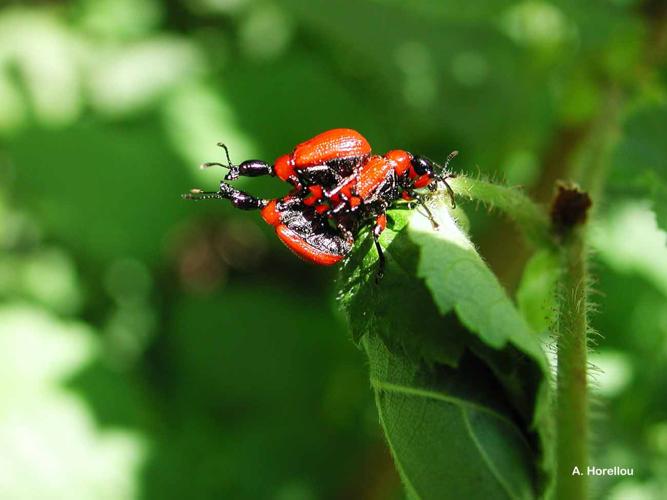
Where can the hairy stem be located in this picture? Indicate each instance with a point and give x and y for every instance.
(569, 214)
(572, 391)
(528, 215)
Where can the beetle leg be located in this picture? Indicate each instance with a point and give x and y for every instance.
(450, 191)
(347, 234)
(343, 182)
(239, 199)
(380, 225)
(429, 214)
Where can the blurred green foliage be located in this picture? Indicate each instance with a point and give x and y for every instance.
(158, 349)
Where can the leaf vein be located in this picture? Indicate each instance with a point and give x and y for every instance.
(485, 457)
(408, 484)
(424, 393)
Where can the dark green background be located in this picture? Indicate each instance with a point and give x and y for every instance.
(156, 348)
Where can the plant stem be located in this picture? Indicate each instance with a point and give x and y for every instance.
(528, 215)
(589, 169)
(572, 347)
(572, 391)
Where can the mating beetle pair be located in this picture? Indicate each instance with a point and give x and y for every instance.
(339, 187)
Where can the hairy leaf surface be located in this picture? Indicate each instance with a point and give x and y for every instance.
(460, 379)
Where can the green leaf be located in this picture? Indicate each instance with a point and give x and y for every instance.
(640, 161)
(450, 432)
(461, 381)
(409, 329)
(459, 280)
(536, 295)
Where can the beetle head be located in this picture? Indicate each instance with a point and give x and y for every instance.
(428, 173)
(422, 166)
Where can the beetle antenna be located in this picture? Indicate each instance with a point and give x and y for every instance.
(198, 194)
(213, 164)
(229, 165)
(224, 146)
(444, 175)
(450, 157)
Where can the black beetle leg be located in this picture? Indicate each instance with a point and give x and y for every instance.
(429, 214)
(377, 230)
(381, 261)
(450, 191)
(341, 184)
(347, 234)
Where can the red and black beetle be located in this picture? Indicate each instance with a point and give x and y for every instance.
(304, 231)
(324, 160)
(339, 188)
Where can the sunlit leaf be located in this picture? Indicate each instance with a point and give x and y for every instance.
(440, 333)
